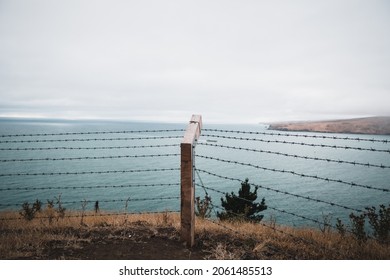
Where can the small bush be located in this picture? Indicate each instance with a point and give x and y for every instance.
(37, 205)
(358, 224)
(341, 228)
(203, 207)
(28, 212)
(380, 223)
(326, 226)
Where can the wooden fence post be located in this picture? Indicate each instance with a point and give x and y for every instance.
(187, 213)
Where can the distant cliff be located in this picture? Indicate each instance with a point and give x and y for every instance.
(373, 125)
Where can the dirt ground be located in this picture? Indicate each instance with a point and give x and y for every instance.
(142, 240)
(139, 241)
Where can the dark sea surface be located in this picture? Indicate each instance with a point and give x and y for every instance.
(136, 168)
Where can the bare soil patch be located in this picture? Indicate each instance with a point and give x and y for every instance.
(138, 241)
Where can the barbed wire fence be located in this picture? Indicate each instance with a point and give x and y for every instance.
(271, 225)
(87, 170)
(282, 171)
(302, 180)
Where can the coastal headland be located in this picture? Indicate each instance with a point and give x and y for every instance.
(370, 125)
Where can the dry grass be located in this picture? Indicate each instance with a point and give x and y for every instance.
(248, 240)
(21, 239)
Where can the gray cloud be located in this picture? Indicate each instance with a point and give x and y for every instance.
(244, 61)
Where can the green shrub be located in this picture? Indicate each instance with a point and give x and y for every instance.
(380, 223)
(358, 224)
(243, 206)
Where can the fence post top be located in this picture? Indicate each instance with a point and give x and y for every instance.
(193, 130)
(196, 118)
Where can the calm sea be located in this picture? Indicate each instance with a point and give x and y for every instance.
(136, 168)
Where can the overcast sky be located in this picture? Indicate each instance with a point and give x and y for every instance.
(231, 61)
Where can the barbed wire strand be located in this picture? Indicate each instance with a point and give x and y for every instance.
(97, 215)
(299, 135)
(324, 224)
(278, 191)
(88, 187)
(90, 172)
(91, 139)
(262, 223)
(352, 184)
(104, 201)
(274, 228)
(92, 133)
(201, 182)
(250, 201)
(89, 158)
(307, 198)
(297, 143)
(296, 156)
(273, 208)
(89, 148)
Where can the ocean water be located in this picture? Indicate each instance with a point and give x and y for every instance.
(136, 168)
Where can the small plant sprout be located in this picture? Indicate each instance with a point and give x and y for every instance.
(325, 225)
(50, 210)
(341, 228)
(83, 207)
(97, 207)
(60, 209)
(126, 206)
